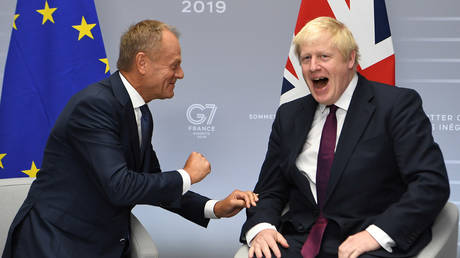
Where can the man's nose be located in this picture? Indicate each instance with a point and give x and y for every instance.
(314, 65)
(179, 73)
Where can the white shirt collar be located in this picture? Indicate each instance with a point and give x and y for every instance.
(135, 97)
(344, 101)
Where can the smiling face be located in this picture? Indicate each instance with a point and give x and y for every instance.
(325, 70)
(161, 69)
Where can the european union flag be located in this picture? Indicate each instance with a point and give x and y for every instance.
(56, 49)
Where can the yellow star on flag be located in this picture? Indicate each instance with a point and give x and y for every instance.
(14, 21)
(2, 155)
(84, 28)
(32, 172)
(47, 13)
(106, 62)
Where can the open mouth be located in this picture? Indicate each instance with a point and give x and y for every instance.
(320, 82)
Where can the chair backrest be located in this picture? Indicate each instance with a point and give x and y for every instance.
(13, 191)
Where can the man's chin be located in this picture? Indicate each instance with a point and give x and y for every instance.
(169, 96)
(322, 99)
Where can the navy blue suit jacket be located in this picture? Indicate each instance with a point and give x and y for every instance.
(387, 171)
(92, 175)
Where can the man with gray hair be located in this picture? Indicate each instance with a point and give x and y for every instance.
(355, 162)
(99, 161)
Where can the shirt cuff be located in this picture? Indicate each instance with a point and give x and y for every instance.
(186, 181)
(256, 229)
(385, 241)
(209, 209)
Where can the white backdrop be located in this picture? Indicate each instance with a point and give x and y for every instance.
(234, 52)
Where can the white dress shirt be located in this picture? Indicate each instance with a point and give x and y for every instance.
(307, 160)
(137, 102)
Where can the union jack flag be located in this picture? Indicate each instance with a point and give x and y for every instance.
(367, 20)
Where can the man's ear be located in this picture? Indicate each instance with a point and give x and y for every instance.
(140, 62)
(352, 60)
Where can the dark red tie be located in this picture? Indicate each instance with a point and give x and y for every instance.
(325, 157)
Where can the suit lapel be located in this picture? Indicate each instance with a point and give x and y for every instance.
(133, 135)
(128, 114)
(358, 116)
(301, 126)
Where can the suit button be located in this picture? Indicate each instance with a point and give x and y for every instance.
(122, 241)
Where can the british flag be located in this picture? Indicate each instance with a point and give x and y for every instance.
(367, 20)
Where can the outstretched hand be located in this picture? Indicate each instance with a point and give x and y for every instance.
(234, 203)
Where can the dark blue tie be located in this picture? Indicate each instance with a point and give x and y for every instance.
(146, 128)
(325, 157)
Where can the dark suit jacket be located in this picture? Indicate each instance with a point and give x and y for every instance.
(387, 171)
(92, 175)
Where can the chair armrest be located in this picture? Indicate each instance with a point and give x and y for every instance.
(141, 244)
(445, 234)
(242, 252)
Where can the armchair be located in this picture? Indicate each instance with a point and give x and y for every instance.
(13, 191)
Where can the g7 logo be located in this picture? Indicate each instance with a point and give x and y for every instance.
(197, 114)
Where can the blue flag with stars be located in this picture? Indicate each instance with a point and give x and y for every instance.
(56, 49)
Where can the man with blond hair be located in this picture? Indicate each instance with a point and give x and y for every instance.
(99, 161)
(354, 161)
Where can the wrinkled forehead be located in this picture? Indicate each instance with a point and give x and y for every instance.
(314, 36)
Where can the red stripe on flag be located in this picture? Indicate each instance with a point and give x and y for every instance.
(383, 71)
(348, 3)
(290, 68)
(310, 9)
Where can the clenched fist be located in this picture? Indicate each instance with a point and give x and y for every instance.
(197, 166)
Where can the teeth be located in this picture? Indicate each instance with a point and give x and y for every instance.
(320, 78)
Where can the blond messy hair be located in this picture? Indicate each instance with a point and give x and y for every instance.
(341, 36)
(144, 36)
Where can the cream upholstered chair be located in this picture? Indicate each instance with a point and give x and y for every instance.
(142, 245)
(13, 191)
(445, 235)
(443, 244)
